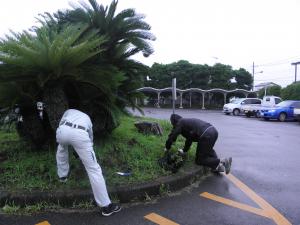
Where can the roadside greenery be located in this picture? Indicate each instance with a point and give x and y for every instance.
(290, 92)
(274, 90)
(125, 149)
(43, 206)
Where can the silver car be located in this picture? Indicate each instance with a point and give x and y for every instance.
(235, 105)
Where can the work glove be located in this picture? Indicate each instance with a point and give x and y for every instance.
(182, 153)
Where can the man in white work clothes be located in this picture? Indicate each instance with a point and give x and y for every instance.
(76, 129)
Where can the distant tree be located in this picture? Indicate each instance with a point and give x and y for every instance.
(159, 76)
(198, 76)
(221, 76)
(274, 90)
(291, 92)
(243, 79)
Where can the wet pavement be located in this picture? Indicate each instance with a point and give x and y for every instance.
(264, 187)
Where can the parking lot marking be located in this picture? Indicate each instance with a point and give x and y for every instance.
(274, 214)
(43, 223)
(235, 204)
(266, 209)
(155, 218)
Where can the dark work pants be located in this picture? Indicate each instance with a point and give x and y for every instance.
(206, 155)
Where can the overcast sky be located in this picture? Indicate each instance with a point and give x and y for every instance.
(233, 32)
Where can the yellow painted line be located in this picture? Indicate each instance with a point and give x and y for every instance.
(235, 204)
(43, 223)
(272, 212)
(155, 218)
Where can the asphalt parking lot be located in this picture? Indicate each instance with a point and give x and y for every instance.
(263, 187)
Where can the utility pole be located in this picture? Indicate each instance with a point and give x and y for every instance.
(253, 76)
(295, 64)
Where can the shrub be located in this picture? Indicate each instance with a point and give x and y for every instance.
(291, 92)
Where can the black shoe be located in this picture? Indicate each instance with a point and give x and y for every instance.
(110, 209)
(220, 168)
(63, 179)
(227, 165)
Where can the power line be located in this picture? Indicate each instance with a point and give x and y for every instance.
(279, 62)
(278, 79)
(273, 63)
(275, 77)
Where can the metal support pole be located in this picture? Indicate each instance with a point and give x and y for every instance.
(181, 100)
(253, 76)
(295, 73)
(174, 93)
(203, 99)
(295, 64)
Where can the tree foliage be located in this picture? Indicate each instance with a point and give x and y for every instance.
(190, 75)
(77, 58)
(274, 90)
(291, 92)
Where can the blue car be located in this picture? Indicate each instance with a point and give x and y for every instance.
(282, 111)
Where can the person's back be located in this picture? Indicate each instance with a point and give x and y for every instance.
(196, 130)
(77, 117)
(192, 128)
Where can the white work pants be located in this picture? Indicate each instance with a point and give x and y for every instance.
(83, 145)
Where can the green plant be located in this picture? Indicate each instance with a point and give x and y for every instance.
(10, 209)
(164, 189)
(274, 90)
(78, 58)
(291, 92)
(31, 209)
(83, 205)
(125, 149)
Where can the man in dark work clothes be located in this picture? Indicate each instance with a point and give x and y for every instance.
(206, 135)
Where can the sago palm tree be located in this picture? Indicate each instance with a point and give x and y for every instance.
(128, 34)
(40, 66)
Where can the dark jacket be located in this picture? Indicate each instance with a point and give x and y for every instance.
(190, 128)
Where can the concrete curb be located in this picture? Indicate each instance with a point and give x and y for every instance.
(125, 194)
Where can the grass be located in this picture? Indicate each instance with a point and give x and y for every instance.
(125, 149)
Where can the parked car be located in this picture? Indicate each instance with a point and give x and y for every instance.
(282, 111)
(297, 113)
(265, 103)
(235, 105)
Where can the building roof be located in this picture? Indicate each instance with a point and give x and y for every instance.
(265, 84)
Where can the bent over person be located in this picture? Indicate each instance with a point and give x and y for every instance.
(76, 129)
(206, 135)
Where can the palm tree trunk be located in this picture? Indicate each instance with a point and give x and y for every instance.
(103, 121)
(56, 104)
(31, 127)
